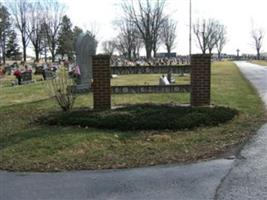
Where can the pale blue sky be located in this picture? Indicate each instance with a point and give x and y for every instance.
(237, 15)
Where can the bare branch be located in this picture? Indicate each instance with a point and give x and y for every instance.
(19, 10)
(207, 34)
(257, 36)
(148, 18)
(168, 34)
(53, 17)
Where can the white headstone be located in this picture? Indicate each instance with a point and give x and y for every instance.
(163, 81)
(85, 49)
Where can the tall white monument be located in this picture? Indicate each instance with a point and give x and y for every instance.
(85, 48)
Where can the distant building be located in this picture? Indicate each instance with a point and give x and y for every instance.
(166, 55)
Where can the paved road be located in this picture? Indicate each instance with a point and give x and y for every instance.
(186, 182)
(248, 178)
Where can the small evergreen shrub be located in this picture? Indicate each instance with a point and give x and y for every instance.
(144, 117)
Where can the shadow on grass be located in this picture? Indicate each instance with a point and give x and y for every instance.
(21, 136)
(25, 104)
(46, 132)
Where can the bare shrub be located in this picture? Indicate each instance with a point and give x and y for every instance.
(60, 89)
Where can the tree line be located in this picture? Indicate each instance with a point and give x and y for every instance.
(146, 24)
(42, 24)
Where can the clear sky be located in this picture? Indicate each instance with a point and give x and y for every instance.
(237, 15)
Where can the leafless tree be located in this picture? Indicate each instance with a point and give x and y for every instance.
(19, 10)
(206, 32)
(109, 47)
(34, 29)
(53, 17)
(222, 39)
(148, 17)
(168, 35)
(137, 45)
(127, 42)
(120, 47)
(258, 35)
(44, 41)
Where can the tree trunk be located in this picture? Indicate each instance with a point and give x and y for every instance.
(0, 56)
(45, 54)
(210, 51)
(148, 47)
(168, 50)
(24, 48)
(53, 49)
(134, 54)
(258, 54)
(155, 53)
(219, 56)
(154, 47)
(129, 54)
(24, 54)
(4, 58)
(137, 53)
(148, 53)
(4, 53)
(53, 56)
(36, 54)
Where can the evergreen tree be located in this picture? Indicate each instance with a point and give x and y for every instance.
(5, 25)
(65, 39)
(12, 47)
(76, 32)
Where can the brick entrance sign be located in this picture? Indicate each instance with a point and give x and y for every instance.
(199, 87)
(101, 84)
(200, 80)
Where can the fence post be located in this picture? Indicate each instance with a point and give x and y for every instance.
(101, 84)
(200, 79)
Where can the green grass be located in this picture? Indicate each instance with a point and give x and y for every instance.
(260, 62)
(25, 145)
(144, 79)
(7, 80)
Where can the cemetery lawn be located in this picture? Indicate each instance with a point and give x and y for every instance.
(27, 146)
(260, 62)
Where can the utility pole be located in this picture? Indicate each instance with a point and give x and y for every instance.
(190, 29)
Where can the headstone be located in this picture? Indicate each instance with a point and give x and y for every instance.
(163, 80)
(170, 79)
(26, 77)
(8, 70)
(85, 49)
(49, 74)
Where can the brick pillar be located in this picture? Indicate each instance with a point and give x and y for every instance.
(200, 80)
(101, 84)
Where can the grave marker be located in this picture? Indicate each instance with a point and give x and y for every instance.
(85, 49)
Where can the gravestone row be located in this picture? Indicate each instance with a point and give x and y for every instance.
(150, 69)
